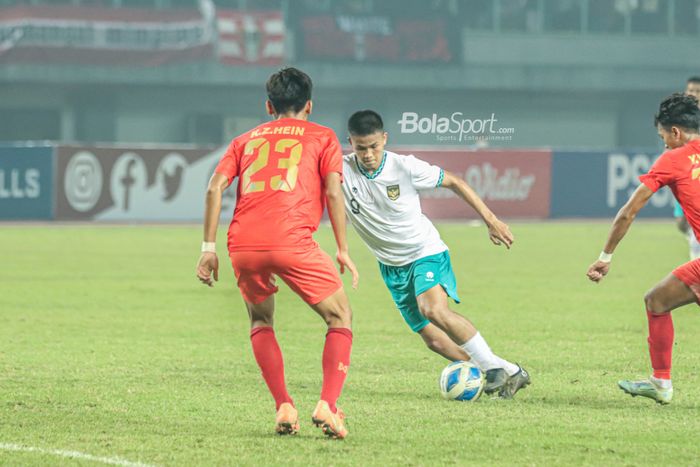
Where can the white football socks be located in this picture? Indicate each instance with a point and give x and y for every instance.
(481, 354)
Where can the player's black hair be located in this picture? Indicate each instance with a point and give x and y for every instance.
(365, 122)
(694, 79)
(288, 89)
(679, 110)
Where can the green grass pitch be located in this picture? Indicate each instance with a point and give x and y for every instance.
(109, 346)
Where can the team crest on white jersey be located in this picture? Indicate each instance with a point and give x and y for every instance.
(393, 192)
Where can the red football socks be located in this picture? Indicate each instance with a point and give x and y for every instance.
(336, 360)
(269, 357)
(660, 344)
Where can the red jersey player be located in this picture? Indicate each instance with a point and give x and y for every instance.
(287, 169)
(678, 124)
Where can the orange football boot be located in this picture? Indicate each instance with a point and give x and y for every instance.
(287, 422)
(331, 423)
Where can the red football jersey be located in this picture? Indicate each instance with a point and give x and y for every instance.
(679, 169)
(281, 166)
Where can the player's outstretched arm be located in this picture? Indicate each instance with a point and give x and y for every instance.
(336, 213)
(208, 263)
(499, 232)
(620, 226)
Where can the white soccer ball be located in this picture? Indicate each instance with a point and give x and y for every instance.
(461, 381)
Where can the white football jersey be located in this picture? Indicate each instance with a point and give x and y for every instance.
(385, 210)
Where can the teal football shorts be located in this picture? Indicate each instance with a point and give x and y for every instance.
(410, 280)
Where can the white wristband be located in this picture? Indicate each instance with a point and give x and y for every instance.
(208, 247)
(605, 257)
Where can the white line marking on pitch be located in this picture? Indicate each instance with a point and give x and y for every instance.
(73, 454)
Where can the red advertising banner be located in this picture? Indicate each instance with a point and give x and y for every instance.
(514, 183)
(101, 35)
(375, 38)
(247, 38)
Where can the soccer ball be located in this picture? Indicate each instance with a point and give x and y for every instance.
(461, 381)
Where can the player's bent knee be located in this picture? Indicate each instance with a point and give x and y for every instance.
(340, 316)
(654, 304)
(256, 321)
(260, 320)
(335, 310)
(434, 313)
(435, 345)
(345, 316)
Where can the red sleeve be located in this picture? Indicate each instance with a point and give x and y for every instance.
(228, 165)
(660, 174)
(331, 159)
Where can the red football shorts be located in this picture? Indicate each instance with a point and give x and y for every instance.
(310, 273)
(689, 274)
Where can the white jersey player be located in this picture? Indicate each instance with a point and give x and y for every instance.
(382, 198)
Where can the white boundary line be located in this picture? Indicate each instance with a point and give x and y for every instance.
(73, 455)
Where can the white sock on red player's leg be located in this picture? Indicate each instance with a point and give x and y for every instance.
(480, 352)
